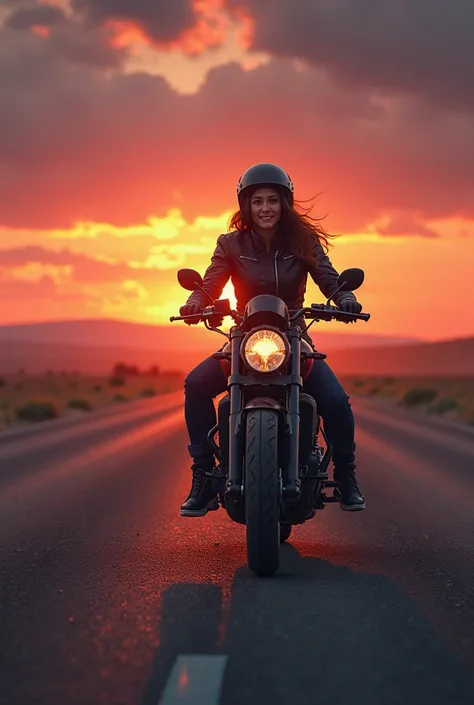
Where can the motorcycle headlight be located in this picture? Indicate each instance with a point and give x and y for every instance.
(265, 350)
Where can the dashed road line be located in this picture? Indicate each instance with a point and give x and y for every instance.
(195, 680)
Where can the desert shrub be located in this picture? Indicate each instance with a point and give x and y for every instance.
(120, 397)
(116, 381)
(121, 369)
(419, 395)
(81, 404)
(373, 391)
(358, 383)
(5, 416)
(36, 411)
(444, 404)
(148, 392)
(167, 388)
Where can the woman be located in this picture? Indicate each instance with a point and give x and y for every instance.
(270, 250)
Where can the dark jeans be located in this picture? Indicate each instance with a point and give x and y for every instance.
(207, 381)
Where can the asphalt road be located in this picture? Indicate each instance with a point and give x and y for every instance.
(109, 596)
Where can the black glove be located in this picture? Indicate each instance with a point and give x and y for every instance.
(350, 306)
(189, 310)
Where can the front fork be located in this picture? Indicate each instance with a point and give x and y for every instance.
(292, 486)
(234, 481)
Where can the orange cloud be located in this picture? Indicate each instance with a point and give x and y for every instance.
(125, 34)
(247, 24)
(41, 31)
(192, 26)
(71, 284)
(160, 21)
(92, 277)
(211, 29)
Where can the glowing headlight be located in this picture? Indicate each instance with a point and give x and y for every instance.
(265, 350)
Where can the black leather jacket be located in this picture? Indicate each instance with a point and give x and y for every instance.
(242, 257)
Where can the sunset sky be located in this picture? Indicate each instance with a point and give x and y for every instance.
(124, 126)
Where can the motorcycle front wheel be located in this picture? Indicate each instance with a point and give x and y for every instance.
(262, 489)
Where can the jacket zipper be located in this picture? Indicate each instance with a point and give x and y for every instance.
(276, 270)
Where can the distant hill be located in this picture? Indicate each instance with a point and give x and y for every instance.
(111, 332)
(449, 357)
(37, 357)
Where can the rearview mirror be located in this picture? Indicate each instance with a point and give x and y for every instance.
(350, 279)
(189, 279)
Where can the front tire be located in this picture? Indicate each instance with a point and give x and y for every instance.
(262, 491)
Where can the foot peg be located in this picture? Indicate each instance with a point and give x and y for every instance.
(327, 499)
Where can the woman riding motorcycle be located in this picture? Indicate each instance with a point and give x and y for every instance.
(270, 250)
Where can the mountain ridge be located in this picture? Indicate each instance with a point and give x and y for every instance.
(110, 331)
(450, 357)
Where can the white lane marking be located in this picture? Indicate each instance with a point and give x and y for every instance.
(195, 680)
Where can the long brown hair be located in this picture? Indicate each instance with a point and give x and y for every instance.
(298, 229)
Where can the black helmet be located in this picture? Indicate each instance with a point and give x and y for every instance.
(265, 174)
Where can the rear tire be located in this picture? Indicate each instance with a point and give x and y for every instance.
(262, 491)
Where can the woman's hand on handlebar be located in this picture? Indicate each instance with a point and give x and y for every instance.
(350, 306)
(190, 310)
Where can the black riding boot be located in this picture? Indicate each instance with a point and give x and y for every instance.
(202, 497)
(348, 491)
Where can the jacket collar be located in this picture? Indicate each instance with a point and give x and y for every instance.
(258, 242)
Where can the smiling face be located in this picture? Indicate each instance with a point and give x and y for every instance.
(265, 209)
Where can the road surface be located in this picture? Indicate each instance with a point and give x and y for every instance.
(108, 596)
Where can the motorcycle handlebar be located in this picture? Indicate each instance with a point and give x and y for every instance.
(318, 311)
(322, 312)
(346, 316)
(181, 318)
(204, 316)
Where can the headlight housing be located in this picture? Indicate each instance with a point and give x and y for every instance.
(265, 350)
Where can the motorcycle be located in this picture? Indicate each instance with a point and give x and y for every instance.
(271, 471)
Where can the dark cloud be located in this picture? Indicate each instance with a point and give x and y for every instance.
(25, 57)
(91, 47)
(161, 20)
(422, 47)
(78, 143)
(26, 16)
